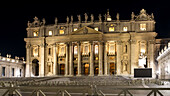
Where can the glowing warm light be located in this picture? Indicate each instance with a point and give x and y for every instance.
(61, 31)
(111, 29)
(8, 59)
(142, 50)
(109, 19)
(143, 27)
(35, 52)
(35, 33)
(112, 49)
(50, 33)
(75, 49)
(61, 50)
(13, 60)
(97, 29)
(3, 59)
(75, 29)
(96, 49)
(86, 49)
(97, 58)
(124, 28)
(86, 65)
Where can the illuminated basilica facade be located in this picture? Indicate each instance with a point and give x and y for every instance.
(90, 47)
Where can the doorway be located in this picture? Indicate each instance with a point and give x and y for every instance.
(86, 69)
(35, 67)
(112, 68)
(62, 69)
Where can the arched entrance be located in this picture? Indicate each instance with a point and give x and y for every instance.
(112, 68)
(35, 67)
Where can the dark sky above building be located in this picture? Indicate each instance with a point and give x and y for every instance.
(15, 15)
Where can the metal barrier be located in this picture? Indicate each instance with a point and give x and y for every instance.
(91, 90)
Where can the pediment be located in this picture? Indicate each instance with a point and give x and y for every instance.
(86, 30)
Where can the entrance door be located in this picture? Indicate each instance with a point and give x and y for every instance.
(112, 68)
(86, 69)
(75, 71)
(96, 70)
(35, 67)
(62, 69)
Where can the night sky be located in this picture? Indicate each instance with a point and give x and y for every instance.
(15, 15)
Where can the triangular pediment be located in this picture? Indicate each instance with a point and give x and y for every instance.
(85, 30)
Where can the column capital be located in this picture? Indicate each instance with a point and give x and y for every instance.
(133, 41)
(152, 41)
(28, 46)
(101, 42)
(119, 42)
(43, 45)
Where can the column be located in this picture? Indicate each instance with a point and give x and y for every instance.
(100, 58)
(118, 64)
(151, 56)
(79, 58)
(54, 59)
(66, 62)
(71, 60)
(106, 71)
(28, 72)
(91, 60)
(133, 56)
(42, 60)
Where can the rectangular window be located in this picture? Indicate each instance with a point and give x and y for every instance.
(96, 49)
(50, 33)
(75, 50)
(62, 51)
(35, 51)
(86, 49)
(61, 30)
(125, 29)
(111, 29)
(143, 27)
(3, 71)
(35, 33)
(112, 49)
(13, 72)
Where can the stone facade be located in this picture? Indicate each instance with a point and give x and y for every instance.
(11, 67)
(164, 62)
(90, 47)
